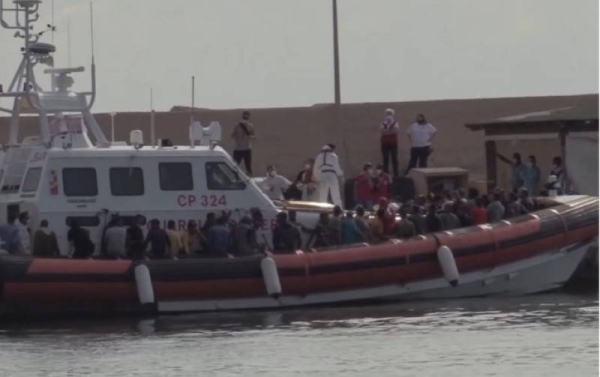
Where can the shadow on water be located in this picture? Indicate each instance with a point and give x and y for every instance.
(551, 310)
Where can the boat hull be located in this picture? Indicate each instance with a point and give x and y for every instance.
(529, 254)
(545, 272)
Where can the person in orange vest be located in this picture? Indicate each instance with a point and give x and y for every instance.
(383, 183)
(364, 187)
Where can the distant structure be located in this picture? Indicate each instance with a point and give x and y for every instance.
(569, 132)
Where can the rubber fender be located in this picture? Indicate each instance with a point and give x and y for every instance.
(271, 277)
(144, 284)
(448, 265)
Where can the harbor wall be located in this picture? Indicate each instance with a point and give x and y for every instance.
(288, 136)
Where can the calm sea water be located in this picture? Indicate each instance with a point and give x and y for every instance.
(545, 335)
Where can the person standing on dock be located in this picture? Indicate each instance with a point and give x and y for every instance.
(327, 172)
(421, 135)
(389, 141)
(533, 176)
(243, 133)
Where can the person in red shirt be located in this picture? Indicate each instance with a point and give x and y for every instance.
(480, 215)
(383, 183)
(364, 187)
(389, 141)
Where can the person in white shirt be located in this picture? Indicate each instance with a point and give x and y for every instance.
(274, 185)
(114, 239)
(327, 172)
(22, 226)
(421, 135)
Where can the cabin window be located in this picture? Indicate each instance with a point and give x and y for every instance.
(220, 176)
(84, 221)
(126, 181)
(32, 180)
(175, 176)
(80, 182)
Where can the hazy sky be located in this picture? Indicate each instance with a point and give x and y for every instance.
(262, 53)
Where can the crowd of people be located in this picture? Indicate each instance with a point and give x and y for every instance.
(425, 214)
(317, 181)
(320, 178)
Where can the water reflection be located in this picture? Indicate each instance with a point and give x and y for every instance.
(545, 336)
(551, 310)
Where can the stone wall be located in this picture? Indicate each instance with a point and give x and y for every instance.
(287, 136)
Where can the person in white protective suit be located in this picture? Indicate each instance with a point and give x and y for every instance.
(327, 172)
(274, 185)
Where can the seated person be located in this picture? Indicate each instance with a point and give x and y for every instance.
(350, 232)
(286, 237)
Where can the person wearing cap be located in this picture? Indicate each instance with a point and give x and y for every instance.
(274, 185)
(421, 135)
(389, 128)
(327, 172)
(242, 135)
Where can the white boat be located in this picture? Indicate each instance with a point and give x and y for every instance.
(72, 172)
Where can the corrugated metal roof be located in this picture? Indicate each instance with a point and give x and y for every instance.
(565, 114)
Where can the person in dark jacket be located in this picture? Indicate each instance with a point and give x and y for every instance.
(286, 237)
(404, 227)
(449, 219)
(158, 239)
(134, 239)
(79, 238)
(350, 232)
(45, 244)
(433, 220)
(219, 238)
(320, 235)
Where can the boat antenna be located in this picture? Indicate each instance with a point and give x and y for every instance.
(53, 28)
(152, 118)
(92, 28)
(193, 94)
(68, 42)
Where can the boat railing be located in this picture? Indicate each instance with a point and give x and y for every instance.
(15, 167)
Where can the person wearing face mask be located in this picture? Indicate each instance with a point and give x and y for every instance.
(274, 185)
(389, 141)
(383, 182)
(532, 176)
(364, 187)
(421, 135)
(24, 234)
(327, 172)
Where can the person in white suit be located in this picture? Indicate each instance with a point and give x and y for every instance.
(327, 172)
